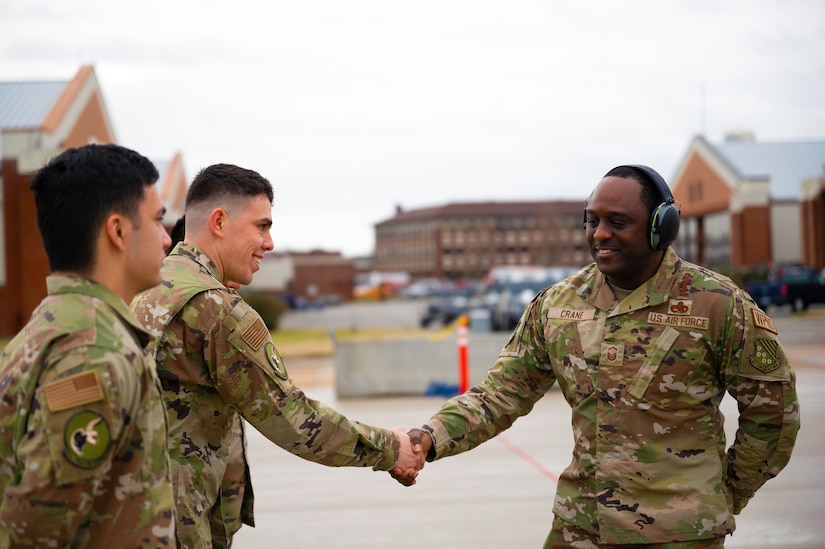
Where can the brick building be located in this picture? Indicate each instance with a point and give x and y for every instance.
(38, 120)
(467, 239)
(748, 204)
(305, 278)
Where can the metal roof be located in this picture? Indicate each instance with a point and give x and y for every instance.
(784, 164)
(24, 105)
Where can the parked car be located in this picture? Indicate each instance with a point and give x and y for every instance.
(422, 288)
(795, 285)
(509, 290)
(448, 304)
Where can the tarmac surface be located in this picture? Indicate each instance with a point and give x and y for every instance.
(500, 495)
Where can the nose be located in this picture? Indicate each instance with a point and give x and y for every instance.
(268, 244)
(166, 240)
(601, 231)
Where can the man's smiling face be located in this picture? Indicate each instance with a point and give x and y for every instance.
(616, 221)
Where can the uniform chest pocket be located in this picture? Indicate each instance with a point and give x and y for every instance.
(569, 361)
(674, 373)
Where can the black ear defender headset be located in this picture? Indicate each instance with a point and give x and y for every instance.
(664, 219)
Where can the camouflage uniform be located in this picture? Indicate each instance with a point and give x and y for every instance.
(644, 378)
(83, 456)
(216, 360)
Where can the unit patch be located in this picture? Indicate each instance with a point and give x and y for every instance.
(87, 439)
(761, 320)
(764, 355)
(275, 360)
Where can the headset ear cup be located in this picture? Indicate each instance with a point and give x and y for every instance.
(664, 226)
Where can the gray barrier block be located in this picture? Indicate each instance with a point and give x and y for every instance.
(410, 366)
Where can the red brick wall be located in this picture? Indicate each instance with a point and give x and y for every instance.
(751, 238)
(26, 263)
(330, 279)
(700, 190)
(813, 231)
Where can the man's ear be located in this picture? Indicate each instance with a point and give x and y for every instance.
(115, 227)
(217, 221)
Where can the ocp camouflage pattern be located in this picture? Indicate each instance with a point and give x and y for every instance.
(645, 378)
(216, 360)
(83, 455)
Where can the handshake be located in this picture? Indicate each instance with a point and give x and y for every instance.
(415, 445)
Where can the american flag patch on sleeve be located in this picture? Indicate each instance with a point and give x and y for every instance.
(73, 391)
(256, 334)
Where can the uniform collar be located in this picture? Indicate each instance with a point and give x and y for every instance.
(197, 255)
(654, 291)
(68, 284)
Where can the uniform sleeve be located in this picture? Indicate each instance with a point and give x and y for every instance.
(517, 380)
(70, 435)
(763, 383)
(251, 375)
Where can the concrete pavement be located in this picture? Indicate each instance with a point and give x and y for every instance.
(499, 495)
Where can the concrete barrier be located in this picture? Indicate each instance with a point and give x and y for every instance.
(409, 366)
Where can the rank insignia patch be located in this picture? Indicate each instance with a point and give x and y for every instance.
(87, 439)
(764, 355)
(275, 360)
(612, 354)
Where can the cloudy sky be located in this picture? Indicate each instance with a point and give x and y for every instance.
(351, 108)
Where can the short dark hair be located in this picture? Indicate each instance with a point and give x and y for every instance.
(649, 193)
(220, 182)
(178, 233)
(77, 190)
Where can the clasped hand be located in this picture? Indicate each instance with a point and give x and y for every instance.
(414, 448)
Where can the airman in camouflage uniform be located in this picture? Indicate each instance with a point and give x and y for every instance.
(217, 365)
(644, 351)
(83, 455)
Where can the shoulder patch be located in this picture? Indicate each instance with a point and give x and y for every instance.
(275, 361)
(761, 320)
(73, 391)
(255, 334)
(764, 357)
(87, 438)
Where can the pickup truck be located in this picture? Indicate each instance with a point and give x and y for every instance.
(794, 285)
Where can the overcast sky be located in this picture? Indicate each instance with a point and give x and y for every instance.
(351, 108)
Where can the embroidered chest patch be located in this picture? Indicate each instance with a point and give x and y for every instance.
(695, 322)
(680, 307)
(612, 354)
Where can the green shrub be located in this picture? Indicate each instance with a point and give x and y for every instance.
(270, 308)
